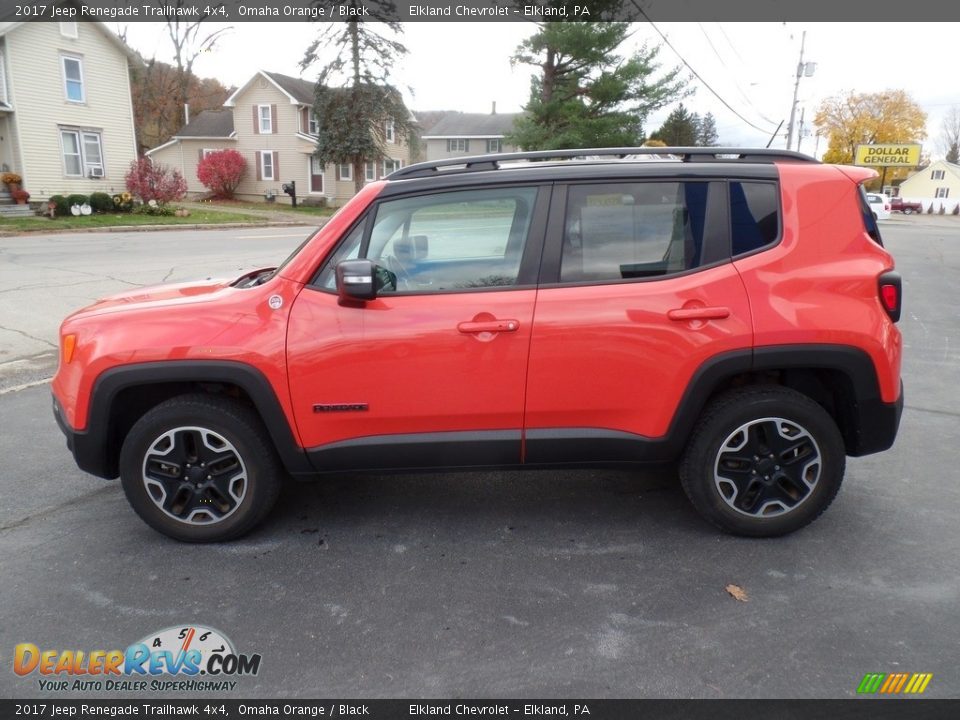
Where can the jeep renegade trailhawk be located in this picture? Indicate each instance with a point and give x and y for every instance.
(733, 309)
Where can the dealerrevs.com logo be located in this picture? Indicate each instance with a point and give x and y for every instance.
(183, 658)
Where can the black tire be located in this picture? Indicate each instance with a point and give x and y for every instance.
(163, 490)
(738, 487)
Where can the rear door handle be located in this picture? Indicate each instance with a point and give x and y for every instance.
(489, 326)
(699, 313)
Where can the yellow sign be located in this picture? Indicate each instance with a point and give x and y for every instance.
(892, 155)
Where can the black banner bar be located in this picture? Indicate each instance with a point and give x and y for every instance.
(853, 709)
(234, 11)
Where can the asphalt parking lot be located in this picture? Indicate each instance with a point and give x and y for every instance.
(579, 584)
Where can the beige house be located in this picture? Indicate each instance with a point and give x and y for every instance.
(66, 118)
(269, 120)
(937, 184)
(459, 134)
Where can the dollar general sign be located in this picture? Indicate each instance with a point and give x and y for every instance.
(887, 155)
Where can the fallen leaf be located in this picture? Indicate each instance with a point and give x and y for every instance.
(737, 593)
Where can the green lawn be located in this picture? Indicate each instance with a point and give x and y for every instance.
(270, 207)
(196, 217)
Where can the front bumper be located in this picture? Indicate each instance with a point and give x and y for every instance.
(89, 451)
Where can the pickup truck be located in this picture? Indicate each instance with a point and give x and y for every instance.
(907, 208)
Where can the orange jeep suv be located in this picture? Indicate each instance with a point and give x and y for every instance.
(730, 309)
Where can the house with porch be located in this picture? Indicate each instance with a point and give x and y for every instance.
(66, 116)
(269, 120)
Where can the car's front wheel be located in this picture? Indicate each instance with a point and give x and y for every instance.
(763, 461)
(200, 468)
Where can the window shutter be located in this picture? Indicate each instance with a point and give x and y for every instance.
(259, 166)
(273, 119)
(199, 154)
(276, 165)
(305, 121)
(256, 120)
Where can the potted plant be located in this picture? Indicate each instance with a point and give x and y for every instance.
(21, 196)
(11, 180)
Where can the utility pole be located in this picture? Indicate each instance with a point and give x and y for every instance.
(803, 112)
(803, 70)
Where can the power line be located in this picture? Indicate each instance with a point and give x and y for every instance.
(695, 73)
(731, 74)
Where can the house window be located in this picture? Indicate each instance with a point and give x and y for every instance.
(313, 125)
(494, 146)
(942, 192)
(266, 166)
(369, 171)
(68, 29)
(82, 153)
(73, 78)
(265, 113)
(390, 165)
(345, 171)
(458, 145)
(936, 175)
(389, 132)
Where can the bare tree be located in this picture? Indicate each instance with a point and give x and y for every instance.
(949, 140)
(190, 40)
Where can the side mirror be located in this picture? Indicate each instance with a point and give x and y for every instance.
(356, 280)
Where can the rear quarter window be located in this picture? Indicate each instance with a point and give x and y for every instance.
(869, 221)
(754, 216)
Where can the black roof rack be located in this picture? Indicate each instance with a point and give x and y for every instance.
(477, 163)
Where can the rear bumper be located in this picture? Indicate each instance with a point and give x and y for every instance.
(88, 452)
(879, 423)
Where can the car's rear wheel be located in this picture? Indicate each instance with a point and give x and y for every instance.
(763, 461)
(200, 468)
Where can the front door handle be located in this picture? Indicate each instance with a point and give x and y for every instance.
(489, 326)
(698, 313)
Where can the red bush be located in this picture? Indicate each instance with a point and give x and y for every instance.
(150, 181)
(221, 172)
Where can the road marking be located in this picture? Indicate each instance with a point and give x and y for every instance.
(24, 386)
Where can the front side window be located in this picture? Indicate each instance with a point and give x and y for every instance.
(456, 241)
(632, 230)
(73, 79)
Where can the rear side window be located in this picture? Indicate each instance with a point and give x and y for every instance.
(754, 216)
(632, 230)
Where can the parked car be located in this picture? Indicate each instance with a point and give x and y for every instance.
(898, 204)
(880, 205)
(730, 309)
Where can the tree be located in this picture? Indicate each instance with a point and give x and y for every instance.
(680, 129)
(189, 39)
(707, 136)
(157, 111)
(586, 94)
(356, 107)
(949, 140)
(221, 172)
(855, 119)
(151, 181)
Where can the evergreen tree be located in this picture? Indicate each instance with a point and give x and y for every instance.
(680, 129)
(707, 137)
(355, 105)
(586, 94)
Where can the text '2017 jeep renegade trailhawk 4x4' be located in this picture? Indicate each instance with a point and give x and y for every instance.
(733, 309)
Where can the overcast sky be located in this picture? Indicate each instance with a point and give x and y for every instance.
(751, 66)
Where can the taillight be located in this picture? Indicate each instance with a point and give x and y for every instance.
(891, 294)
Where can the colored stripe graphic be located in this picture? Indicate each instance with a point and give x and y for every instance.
(894, 683)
